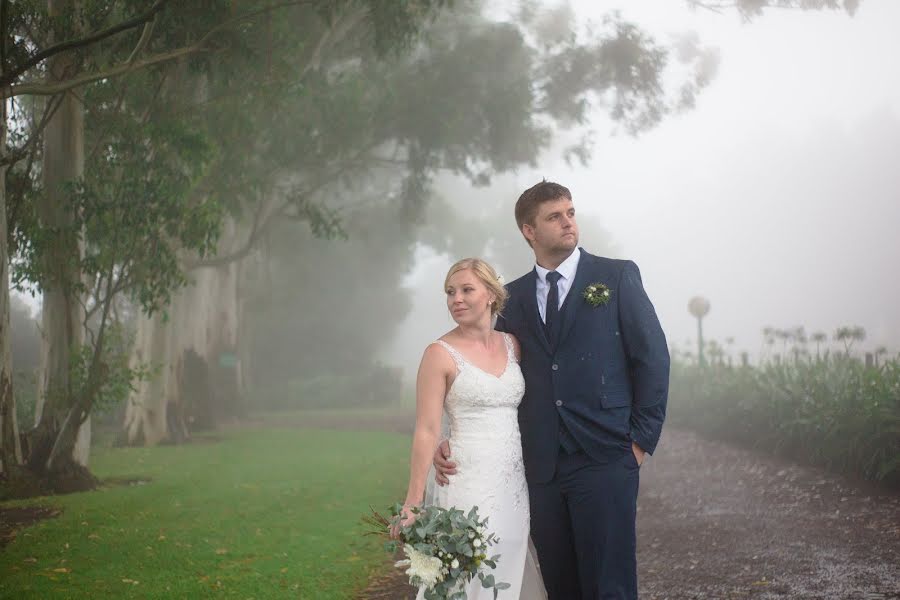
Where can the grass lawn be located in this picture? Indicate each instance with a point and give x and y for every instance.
(268, 513)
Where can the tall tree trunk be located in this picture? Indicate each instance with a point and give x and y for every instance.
(62, 313)
(254, 289)
(222, 352)
(195, 354)
(145, 411)
(10, 451)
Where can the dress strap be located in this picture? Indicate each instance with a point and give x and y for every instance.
(510, 348)
(457, 357)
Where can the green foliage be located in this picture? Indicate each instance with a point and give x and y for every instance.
(136, 215)
(263, 514)
(133, 211)
(828, 410)
(118, 378)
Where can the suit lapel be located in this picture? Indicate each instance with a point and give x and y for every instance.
(531, 312)
(574, 302)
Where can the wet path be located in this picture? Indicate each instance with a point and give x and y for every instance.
(720, 522)
(716, 521)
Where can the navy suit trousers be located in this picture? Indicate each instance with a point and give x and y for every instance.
(583, 526)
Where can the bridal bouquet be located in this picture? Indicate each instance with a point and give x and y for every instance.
(445, 549)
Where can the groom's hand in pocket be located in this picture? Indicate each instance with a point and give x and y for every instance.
(639, 454)
(443, 466)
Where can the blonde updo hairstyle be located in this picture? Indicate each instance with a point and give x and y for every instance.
(488, 277)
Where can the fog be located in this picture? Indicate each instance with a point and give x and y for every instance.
(241, 215)
(777, 197)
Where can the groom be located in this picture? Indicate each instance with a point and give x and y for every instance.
(596, 370)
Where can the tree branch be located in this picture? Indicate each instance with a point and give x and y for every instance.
(9, 78)
(259, 229)
(4, 14)
(717, 8)
(44, 89)
(20, 153)
(256, 232)
(721, 6)
(201, 189)
(143, 41)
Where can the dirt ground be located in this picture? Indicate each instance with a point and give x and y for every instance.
(14, 519)
(720, 522)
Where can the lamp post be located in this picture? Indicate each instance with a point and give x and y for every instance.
(699, 307)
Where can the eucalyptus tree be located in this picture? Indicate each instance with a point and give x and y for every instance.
(303, 112)
(113, 196)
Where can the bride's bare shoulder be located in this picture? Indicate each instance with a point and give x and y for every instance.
(437, 355)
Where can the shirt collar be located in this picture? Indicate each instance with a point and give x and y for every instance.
(566, 268)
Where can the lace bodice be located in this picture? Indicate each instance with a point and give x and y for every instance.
(478, 401)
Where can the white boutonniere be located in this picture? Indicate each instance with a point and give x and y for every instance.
(597, 294)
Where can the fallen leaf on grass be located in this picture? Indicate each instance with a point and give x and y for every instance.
(284, 570)
(62, 570)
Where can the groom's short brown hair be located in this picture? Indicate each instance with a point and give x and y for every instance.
(528, 203)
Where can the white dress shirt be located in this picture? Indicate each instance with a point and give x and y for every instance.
(567, 269)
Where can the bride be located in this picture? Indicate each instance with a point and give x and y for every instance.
(472, 373)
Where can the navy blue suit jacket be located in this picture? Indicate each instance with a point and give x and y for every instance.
(607, 379)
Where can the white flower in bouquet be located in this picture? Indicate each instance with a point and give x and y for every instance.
(425, 570)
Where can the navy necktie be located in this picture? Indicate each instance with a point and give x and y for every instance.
(551, 319)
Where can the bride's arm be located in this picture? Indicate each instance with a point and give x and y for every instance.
(431, 387)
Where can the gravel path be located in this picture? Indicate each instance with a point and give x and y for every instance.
(720, 522)
(716, 521)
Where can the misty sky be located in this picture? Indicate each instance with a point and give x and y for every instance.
(777, 197)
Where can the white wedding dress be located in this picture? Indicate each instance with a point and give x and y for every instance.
(481, 411)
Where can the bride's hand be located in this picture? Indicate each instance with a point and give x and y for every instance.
(407, 518)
